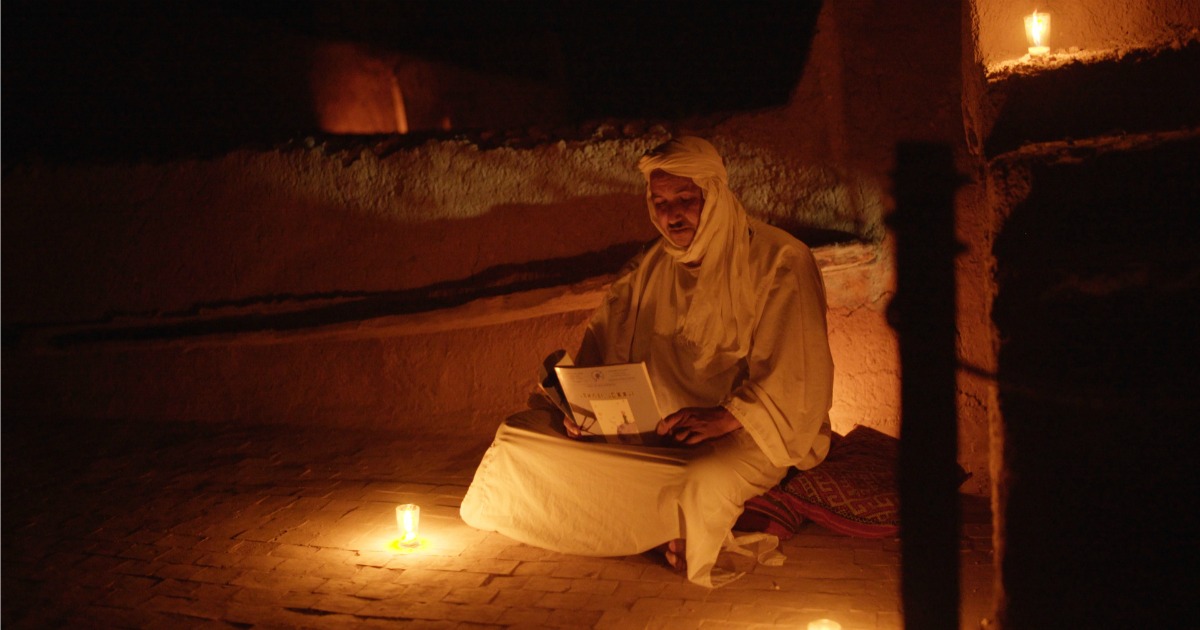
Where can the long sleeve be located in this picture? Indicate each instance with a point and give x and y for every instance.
(784, 401)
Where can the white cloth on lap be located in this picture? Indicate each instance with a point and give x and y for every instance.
(536, 486)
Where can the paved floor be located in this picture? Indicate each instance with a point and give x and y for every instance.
(169, 526)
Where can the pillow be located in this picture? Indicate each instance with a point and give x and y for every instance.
(853, 492)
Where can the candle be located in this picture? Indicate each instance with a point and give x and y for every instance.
(408, 519)
(1037, 32)
(824, 624)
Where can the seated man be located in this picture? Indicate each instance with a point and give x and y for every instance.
(728, 314)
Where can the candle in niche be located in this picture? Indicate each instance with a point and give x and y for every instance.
(1037, 33)
(408, 520)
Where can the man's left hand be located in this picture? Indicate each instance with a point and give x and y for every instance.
(693, 425)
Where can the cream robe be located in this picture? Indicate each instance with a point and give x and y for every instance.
(780, 391)
(586, 498)
(744, 329)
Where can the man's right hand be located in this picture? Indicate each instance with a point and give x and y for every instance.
(693, 425)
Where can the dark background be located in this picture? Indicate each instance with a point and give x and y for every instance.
(84, 78)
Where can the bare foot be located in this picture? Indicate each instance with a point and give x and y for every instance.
(675, 553)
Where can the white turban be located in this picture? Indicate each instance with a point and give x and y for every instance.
(720, 313)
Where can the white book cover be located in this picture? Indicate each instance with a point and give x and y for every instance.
(616, 401)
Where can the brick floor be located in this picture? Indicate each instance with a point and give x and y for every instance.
(122, 524)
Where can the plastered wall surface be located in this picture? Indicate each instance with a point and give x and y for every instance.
(263, 233)
(251, 225)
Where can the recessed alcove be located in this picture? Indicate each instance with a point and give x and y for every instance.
(1095, 295)
(143, 80)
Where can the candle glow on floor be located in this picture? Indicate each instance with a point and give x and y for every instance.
(399, 546)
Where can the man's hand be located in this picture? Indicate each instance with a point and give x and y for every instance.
(693, 425)
(573, 430)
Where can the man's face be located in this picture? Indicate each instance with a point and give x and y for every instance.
(677, 204)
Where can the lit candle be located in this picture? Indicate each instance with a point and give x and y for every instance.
(824, 624)
(1037, 32)
(408, 519)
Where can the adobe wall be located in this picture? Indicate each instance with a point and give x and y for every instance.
(1091, 171)
(416, 285)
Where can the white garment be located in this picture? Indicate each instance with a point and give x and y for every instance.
(541, 488)
(744, 328)
(780, 388)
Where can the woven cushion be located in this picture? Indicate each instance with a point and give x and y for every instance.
(852, 492)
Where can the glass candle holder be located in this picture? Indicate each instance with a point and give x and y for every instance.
(408, 520)
(1037, 33)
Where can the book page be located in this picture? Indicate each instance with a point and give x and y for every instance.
(616, 401)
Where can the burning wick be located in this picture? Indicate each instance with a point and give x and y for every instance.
(1037, 32)
(408, 519)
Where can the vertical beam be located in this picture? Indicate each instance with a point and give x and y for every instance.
(923, 315)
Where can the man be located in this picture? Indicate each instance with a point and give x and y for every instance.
(728, 314)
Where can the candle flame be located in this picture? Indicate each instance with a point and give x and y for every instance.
(1037, 27)
(408, 520)
(409, 531)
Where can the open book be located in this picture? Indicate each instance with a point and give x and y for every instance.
(614, 401)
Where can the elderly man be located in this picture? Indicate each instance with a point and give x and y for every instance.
(728, 314)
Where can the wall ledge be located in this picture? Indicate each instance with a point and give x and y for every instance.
(299, 320)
